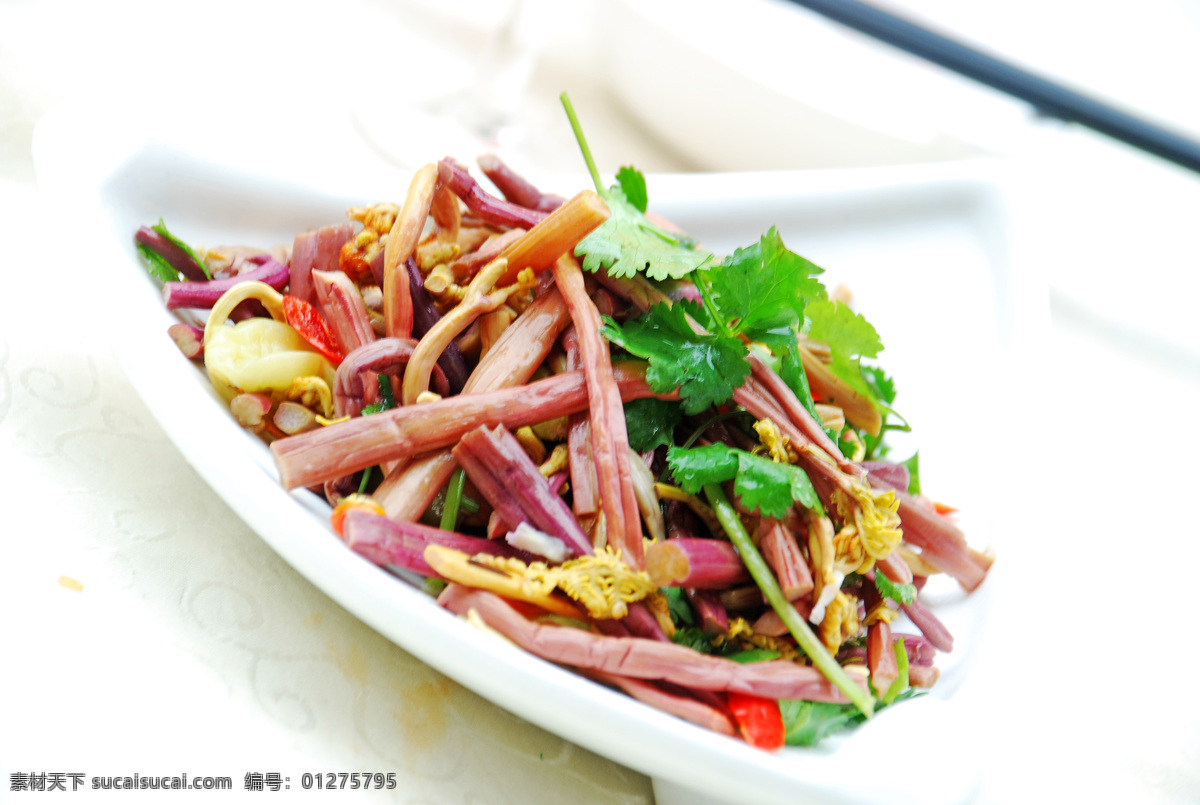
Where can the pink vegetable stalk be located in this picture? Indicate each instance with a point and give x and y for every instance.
(513, 359)
(770, 624)
(881, 656)
(344, 309)
(180, 260)
(313, 458)
(387, 356)
(640, 622)
(498, 526)
(205, 293)
(887, 473)
(585, 490)
(315, 250)
(609, 440)
(508, 479)
(678, 704)
(783, 556)
(402, 242)
(516, 188)
(709, 609)
(705, 564)
(189, 339)
(489, 208)
(942, 543)
(388, 542)
(930, 626)
(643, 659)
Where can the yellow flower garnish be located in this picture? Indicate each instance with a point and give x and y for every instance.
(778, 445)
(876, 516)
(840, 622)
(602, 582)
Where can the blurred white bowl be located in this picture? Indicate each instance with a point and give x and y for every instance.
(763, 85)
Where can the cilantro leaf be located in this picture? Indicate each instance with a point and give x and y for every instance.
(847, 333)
(633, 187)
(914, 473)
(807, 723)
(883, 386)
(678, 606)
(158, 267)
(900, 593)
(850, 338)
(651, 422)
(883, 389)
(697, 639)
(761, 290)
(161, 228)
(770, 487)
(628, 242)
(696, 467)
(705, 368)
(791, 371)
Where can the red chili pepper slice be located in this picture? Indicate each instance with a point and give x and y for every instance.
(758, 720)
(942, 508)
(305, 320)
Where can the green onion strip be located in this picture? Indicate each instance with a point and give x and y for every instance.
(454, 496)
(766, 582)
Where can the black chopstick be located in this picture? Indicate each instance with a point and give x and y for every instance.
(1049, 98)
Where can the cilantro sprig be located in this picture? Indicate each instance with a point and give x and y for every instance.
(757, 294)
(900, 593)
(628, 242)
(760, 483)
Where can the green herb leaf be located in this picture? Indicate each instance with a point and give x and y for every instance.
(914, 473)
(633, 186)
(628, 242)
(884, 387)
(161, 228)
(771, 487)
(696, 467)
(900, 593)
(651, 422)
(679, 608)
(762, 485)
(694, 638)
(901, 681)
(705, 368)
(158, 267)
(754, 655)
(761, 290)
(808, 723)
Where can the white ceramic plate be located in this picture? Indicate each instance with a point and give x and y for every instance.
(924, 248)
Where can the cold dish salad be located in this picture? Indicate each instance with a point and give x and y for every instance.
(661, 467)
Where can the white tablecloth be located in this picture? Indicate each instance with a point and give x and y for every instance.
(147, 630)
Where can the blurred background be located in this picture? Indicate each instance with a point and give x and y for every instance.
(1109, 397)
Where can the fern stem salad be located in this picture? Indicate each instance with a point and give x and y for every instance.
(662, 467)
